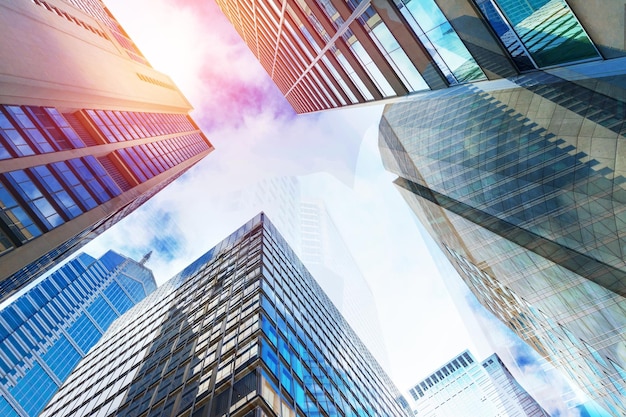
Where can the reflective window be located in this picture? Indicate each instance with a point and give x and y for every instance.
(74, 184)
(34, 198)
(12, 139)
(56, 191)
(61, 358)
(36, 376)
(101, 312)
(392, 51)
(440, 39)
(118, 298)
(28, 128)
(84, 333)
(548, 30)
(370, 67)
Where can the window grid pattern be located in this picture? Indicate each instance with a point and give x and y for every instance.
(45, 332)
(547, 215)
(214, 340)
(290, 43)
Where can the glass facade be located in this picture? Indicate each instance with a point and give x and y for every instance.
(522, 185)
(48, 194)
(464, 387)
(330, 53)
(45, 332)
(84, 140)
(243, 331)
(539, 33)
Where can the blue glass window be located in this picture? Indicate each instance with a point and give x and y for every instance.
(89, 180)
(440, 39)
(269, 330)
(56, 191)
(548, 30)
(102, 313)
(62, 358)
(62, 124)
(103, 175)
(118, 298)
(34, 198)
(22, 392)
(36, 138)
(6, 410)
(286, 381)
(84, 333)
(13, 139)
(133, 287)
(269, 357)
(73, 183)
(20, 223)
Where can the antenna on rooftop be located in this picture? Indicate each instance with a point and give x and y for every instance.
(145, 258)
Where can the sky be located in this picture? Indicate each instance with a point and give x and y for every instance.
(334, 154)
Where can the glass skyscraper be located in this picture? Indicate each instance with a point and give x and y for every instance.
(45, 332)
(310, 231)
(333, 53)
(522, 182)
(243, 331)
(88, 132)
(464, 387)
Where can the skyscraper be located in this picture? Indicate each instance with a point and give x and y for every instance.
(46, 331)
(333, 53)
(466, 388)
(522, 184)
(88, 132)
(310, 231)
(242, 331)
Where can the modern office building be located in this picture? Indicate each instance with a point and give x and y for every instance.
(522, 183)
(243, 331)
(88, 132)
(464, 387)
(333, 53)
(310, 231)
(46, 331)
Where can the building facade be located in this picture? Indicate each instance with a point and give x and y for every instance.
(88, 132)
(50, 328)
(243, 331)
(310, 231)
(333, 53)
(464, 387)
(522, 184)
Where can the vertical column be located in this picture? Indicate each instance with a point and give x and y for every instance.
(409, 42)
(478, 38)
(371, 48)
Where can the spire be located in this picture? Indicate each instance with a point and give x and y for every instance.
(145, 258)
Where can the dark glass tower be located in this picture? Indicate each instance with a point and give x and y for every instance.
(88, 132)
(522, 183)
(333, 53)
(243, 331)
(45, 332)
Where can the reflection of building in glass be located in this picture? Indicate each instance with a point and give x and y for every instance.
(333, 53)
(243, 329)
(522, 184)
(329, 260)
(466, 388)
(88, 132)
(45, 332)
(310, 231)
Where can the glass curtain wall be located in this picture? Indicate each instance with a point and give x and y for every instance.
(538, 33)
